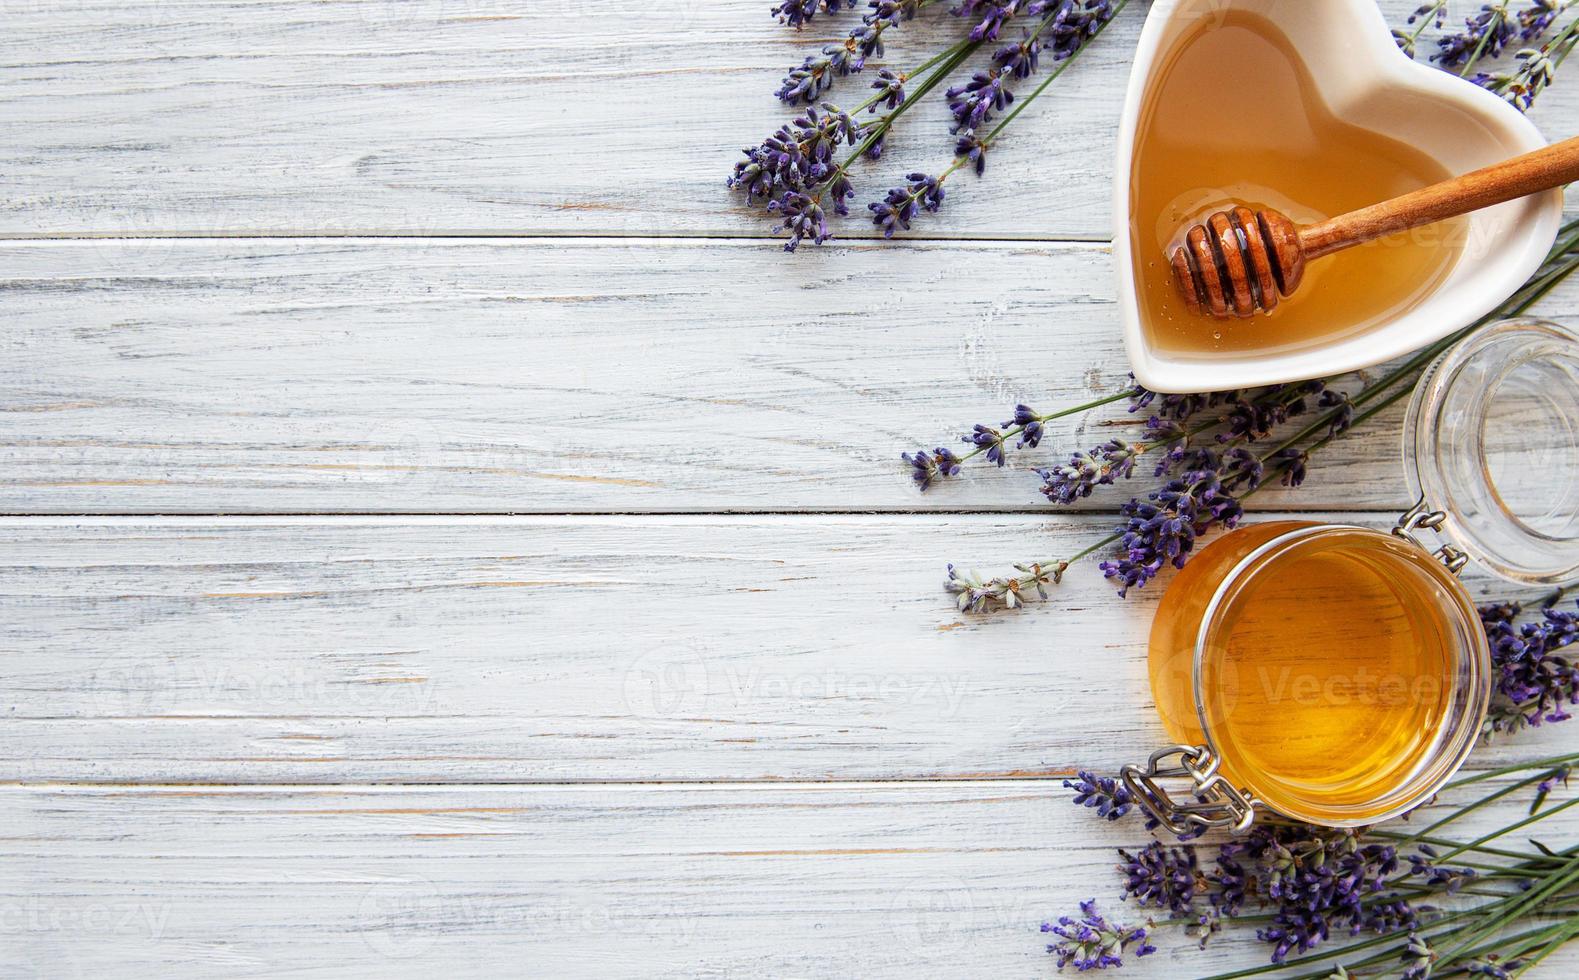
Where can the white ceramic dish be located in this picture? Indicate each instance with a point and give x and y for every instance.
(1365, 80)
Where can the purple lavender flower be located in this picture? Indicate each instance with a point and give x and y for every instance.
(1292, 464)
(895, 211)
(890, 89)
(1490, 966)
(1320, 879)
(974, 102)
(1030, 424)
(1074, 23)
(798, 156)
(1091, 942)
(797, 13)
(1254, 415)
(985, 437)
(1537, 19)
(1101, 793)
(806, 83)
(1423, 865)
(926, 467)
(1241, 469)
(1545, 787)
(1085, 471)
(1179, 408)
(868, 38)
(1533, 683)
(990, 15)
(1436, 9)
(1484, 36)
(1342, 417)
(1164, 877)
(972, 150)
(1018, 58)
(1162, 529)
(802, 218)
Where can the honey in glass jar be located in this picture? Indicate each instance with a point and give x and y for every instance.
(1339, 675)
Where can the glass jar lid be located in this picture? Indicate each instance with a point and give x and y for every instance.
(1492, 439)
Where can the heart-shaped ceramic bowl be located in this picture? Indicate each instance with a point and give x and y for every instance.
(1364, 80)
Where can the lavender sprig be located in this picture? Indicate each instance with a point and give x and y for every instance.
(799, 13)
(1070, 25)
(1091, 942)
(1427, 14)
(1538, 18)
(1485, 34)
(1103, 794)
(792, 171)
(1536, 68)
(975, 594)
(816, 73)
(926, 467)
(921, 193)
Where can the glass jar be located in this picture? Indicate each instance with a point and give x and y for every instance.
(1340, 675)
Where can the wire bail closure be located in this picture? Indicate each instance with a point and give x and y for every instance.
(1218, 803)
(1422, 516)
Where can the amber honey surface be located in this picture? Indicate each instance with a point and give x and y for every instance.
(1328, 678)
(1233, 117)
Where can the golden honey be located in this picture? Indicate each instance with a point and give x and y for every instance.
(1329, 668)
(1233, 117)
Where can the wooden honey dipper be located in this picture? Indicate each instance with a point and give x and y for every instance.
(1239, 260)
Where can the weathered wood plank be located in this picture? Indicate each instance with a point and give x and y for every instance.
(438, 116)
(566, 649)
(799, 880)
(572, 376)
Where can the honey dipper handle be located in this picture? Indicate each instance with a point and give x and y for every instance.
(1540, 170)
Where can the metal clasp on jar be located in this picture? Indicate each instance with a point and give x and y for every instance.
(1217, 802)
(1422, 516)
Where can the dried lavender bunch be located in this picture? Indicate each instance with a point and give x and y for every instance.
(800, 167)
(792, 176)
(1534, 684)
(1300, 885)
(1065, 29)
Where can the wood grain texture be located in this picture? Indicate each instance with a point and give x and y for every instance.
(567, 649)
(827, 880)
(569, 376)
(440, 116)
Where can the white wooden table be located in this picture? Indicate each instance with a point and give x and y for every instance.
(443, 536)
